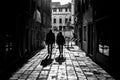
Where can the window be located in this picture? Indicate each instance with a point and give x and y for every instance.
(8, 43)
(55, 28)
(60, 20)
(70, 19)
(103, 43)
(60, 10)
(66, 10)
(104, 49)
(60, 28)
(54, 21)
(70, 10)
(104, 39)
(54, 10)
(66, 20)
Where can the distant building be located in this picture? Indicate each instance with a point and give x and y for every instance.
(61, 15)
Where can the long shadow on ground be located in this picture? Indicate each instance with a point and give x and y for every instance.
(10, 69)
(47, 61)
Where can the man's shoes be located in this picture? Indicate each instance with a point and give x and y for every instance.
(60, 59)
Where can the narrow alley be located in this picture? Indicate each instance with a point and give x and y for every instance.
(84, 31)
(76, 67)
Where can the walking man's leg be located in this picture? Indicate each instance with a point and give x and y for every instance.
(59, 50)
(71, 42)
(68, 43)
(51, 50)
(62, 50)
(48, 49)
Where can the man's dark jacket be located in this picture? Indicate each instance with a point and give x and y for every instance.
(50, 38)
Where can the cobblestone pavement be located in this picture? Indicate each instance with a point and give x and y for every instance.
(76, 67)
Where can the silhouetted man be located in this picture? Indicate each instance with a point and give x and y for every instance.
(50, 40)
(60, 41)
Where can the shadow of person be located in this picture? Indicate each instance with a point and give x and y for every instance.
(47, 61)
(60, 59)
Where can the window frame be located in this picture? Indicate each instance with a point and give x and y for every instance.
(60, 20)
(54, 20)
(60, 9)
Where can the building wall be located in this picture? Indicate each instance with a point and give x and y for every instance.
(57, 17)
(98, 20)
(22, 35)
(87, 19)
(60, 14)
(99, 29)
(72, 12)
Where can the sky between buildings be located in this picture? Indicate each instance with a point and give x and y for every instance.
(62, 1)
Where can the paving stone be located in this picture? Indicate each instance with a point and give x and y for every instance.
(41, 79)
(71, 74)
(52, 77)
(101, 77)
(72, 78)
(44, 73)
(27, 71)
(88, 74)
(38, 67)
(75, 63)
(15, 76)
(76, 67)
(53, 72)
(86, 69)
(31, 78)
(92, 78)
(31, 68)
(35, 72)
(80, 74)
(81, 79)
(62, 78)
(21, 71)
(23, 76)
(21, 79)
(33, 75)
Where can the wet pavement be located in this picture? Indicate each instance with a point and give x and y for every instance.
(74, 66)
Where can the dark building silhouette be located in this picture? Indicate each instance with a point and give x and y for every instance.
(94, 28)
(21, 34)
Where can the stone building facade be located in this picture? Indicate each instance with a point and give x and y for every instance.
(61, 16)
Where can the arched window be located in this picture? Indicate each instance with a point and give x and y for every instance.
(60, 10)
(54, 20)
(66, 20)
(66, 10)
(60, 20)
